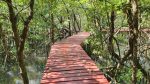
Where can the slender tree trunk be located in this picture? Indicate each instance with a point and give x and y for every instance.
(52, 29)
(13, 20)
(80, 23)
(111, 37)
(22, 67)
(70, 31)
(20, 40)
(134, 4)
(134, 33)
(108, 21)
(132, 15)
(74, 23)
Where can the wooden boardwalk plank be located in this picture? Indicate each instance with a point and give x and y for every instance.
(68, 63)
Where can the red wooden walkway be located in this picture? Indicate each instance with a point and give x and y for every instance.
(68, 63)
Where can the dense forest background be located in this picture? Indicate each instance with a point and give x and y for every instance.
(119, 41)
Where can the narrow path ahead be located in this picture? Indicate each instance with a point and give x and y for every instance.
(68, 63)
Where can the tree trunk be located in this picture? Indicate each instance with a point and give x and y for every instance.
(52, 29)
(74, 23)
(20, 40)
(132, 15)
(114, 55)
(70, 32)
(22, 67)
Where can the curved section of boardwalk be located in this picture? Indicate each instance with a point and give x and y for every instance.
(68, 63)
